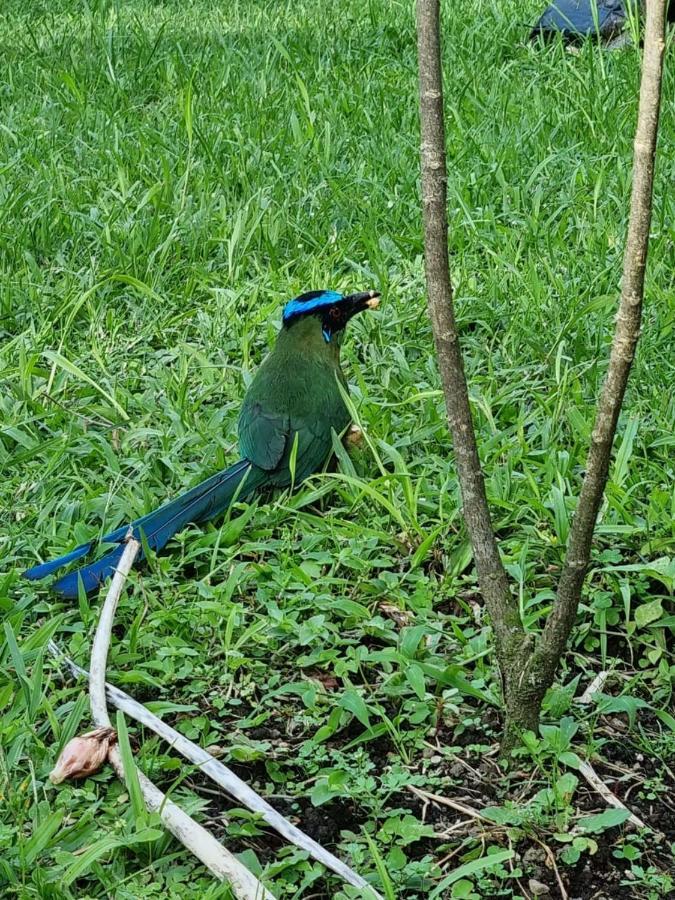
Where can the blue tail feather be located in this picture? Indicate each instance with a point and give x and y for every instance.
(198, 504)
(48, 568)
(92, 575)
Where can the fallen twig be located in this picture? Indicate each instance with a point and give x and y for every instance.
(594, 687)
(599, 785)
(191, 834)
(550, 856)
(218, 773)
(446, 801)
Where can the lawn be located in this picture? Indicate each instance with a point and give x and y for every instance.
(170, 174)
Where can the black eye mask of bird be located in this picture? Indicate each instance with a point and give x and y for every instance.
(333, 309)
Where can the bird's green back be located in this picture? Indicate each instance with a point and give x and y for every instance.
(294, 393)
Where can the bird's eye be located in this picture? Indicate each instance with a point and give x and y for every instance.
(335, 313)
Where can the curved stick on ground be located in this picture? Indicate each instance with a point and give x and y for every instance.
(219, 773)
(193, 836)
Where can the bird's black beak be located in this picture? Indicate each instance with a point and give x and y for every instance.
(362, 300)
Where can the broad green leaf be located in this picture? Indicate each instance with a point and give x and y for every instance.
(322, 793)
(570, 759)
(648, 612)
(610, 818)
(491, 861)
(500, 815)
(354, 703)
(623, 704)
(663, 569)
(415, 678)
(566, 784)
(462, 889)
(410, 639)
(41, 836)
(232, 530)
(351, 608)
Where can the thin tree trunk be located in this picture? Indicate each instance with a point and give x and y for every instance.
(527, 668)
(626, 333)
(492, 577)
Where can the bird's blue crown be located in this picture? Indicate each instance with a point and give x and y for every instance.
(311, 302)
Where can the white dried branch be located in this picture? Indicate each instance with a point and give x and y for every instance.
(611, 799)
(219, 773)
(191, 834)
(99, 649)
(595, 687)
(462, 808)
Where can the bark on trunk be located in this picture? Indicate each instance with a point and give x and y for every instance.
(492, 577)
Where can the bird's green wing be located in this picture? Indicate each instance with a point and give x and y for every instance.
(267, 440)
(313, 446)
(262, 435)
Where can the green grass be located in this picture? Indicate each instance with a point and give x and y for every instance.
(170, 174)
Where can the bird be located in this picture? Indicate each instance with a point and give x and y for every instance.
(293, 404)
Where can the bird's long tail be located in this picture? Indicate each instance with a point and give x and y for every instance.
(199, 504)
